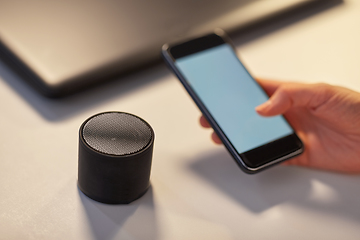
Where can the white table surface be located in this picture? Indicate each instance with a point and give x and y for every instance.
(197, 191)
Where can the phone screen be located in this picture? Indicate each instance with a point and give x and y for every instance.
(230, 94)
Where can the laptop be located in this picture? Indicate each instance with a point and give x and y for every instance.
(61, 47)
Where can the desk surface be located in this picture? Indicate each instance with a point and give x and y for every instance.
(197, 191)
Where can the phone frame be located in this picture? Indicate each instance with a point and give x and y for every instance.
(208, 41)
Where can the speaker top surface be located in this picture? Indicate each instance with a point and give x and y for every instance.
(117, 133)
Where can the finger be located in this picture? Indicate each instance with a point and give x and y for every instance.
(290, 95)
(269, 86)
(215, 138)
(204, 122)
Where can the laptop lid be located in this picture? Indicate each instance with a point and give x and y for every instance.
(61, 47)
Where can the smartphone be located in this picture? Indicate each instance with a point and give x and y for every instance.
(227, 95)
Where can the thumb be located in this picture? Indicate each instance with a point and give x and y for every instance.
(289, 95)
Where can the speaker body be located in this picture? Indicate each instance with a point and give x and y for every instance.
(115, 155)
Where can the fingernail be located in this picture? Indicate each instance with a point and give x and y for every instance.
(264, 106)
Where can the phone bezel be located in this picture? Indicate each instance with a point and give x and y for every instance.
(275, 152)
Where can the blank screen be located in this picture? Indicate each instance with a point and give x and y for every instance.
(230, 94)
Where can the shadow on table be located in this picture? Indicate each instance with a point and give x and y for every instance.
(316, 190)
(137, 219)
(58, 109)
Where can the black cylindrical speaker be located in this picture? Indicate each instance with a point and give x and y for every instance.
(115, 154)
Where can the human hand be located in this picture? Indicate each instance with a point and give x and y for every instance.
(325, 117)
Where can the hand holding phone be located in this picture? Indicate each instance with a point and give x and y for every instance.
(227, 95)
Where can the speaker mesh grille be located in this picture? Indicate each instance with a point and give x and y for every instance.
(117, 133)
